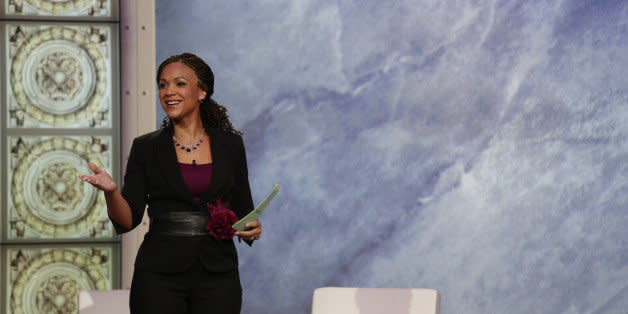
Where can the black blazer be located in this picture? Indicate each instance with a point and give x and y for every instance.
(153, 177)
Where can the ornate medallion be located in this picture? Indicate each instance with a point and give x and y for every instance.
(62, 77)
(60, 7)
(48, 196)
(53, 187)
(49, 280)
(59, 76)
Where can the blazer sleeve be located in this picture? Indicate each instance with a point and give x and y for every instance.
(134, 187)
(242, 199)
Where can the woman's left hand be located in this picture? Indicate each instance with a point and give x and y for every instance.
(253, 231)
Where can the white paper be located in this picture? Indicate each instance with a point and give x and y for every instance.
(240, 225)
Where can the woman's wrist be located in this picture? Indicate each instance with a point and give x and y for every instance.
(111, 192)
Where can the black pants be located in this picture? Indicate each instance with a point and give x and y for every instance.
(193, 291)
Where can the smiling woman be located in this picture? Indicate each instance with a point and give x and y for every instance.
(188, 68)
(195, 162)
(179, 91)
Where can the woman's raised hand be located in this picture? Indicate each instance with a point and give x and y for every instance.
(100, 179)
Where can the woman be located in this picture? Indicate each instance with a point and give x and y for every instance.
(192, 173)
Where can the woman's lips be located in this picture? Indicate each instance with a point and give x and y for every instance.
(172, 103)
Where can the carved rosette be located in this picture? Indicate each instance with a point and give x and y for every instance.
(59, 76)
(60, 7)
(48, 198)
(49, 280)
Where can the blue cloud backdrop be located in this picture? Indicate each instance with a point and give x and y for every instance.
(476, 147)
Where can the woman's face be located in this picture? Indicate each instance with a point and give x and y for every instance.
(179, 92)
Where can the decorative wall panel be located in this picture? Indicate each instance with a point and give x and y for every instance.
(88, 8)
(59, 98)
(48, 200)
(47, 280)
(59, 75)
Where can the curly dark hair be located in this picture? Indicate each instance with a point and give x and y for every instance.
(213, 115)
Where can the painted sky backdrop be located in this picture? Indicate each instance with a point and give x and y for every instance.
(475, 147)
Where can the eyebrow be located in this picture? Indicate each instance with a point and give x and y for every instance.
(178, 77)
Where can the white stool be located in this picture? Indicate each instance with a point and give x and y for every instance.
(103, 302)
(336, 300)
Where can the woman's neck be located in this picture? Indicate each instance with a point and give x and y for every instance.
(187, 131)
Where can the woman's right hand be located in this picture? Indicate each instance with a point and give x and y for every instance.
(100, 179)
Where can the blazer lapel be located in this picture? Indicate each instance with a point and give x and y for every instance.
(218, 152)
(164, 150)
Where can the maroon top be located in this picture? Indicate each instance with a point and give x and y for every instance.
(196, 177)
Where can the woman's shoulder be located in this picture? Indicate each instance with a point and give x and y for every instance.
(226, 135)
(149, 137)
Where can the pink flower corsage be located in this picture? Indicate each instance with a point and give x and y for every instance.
(220, 220)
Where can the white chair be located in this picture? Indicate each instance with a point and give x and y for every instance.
(103, 302)
(336, 300)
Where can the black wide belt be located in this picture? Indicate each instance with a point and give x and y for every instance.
(180, 223)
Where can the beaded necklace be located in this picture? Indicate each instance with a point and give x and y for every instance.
(188, 148)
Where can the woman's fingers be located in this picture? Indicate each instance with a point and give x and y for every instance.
(91, 179)
(254, 224)
(94, 168)
(100, 179)
(253, 231)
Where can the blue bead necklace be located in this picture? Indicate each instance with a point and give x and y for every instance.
(188, 148)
